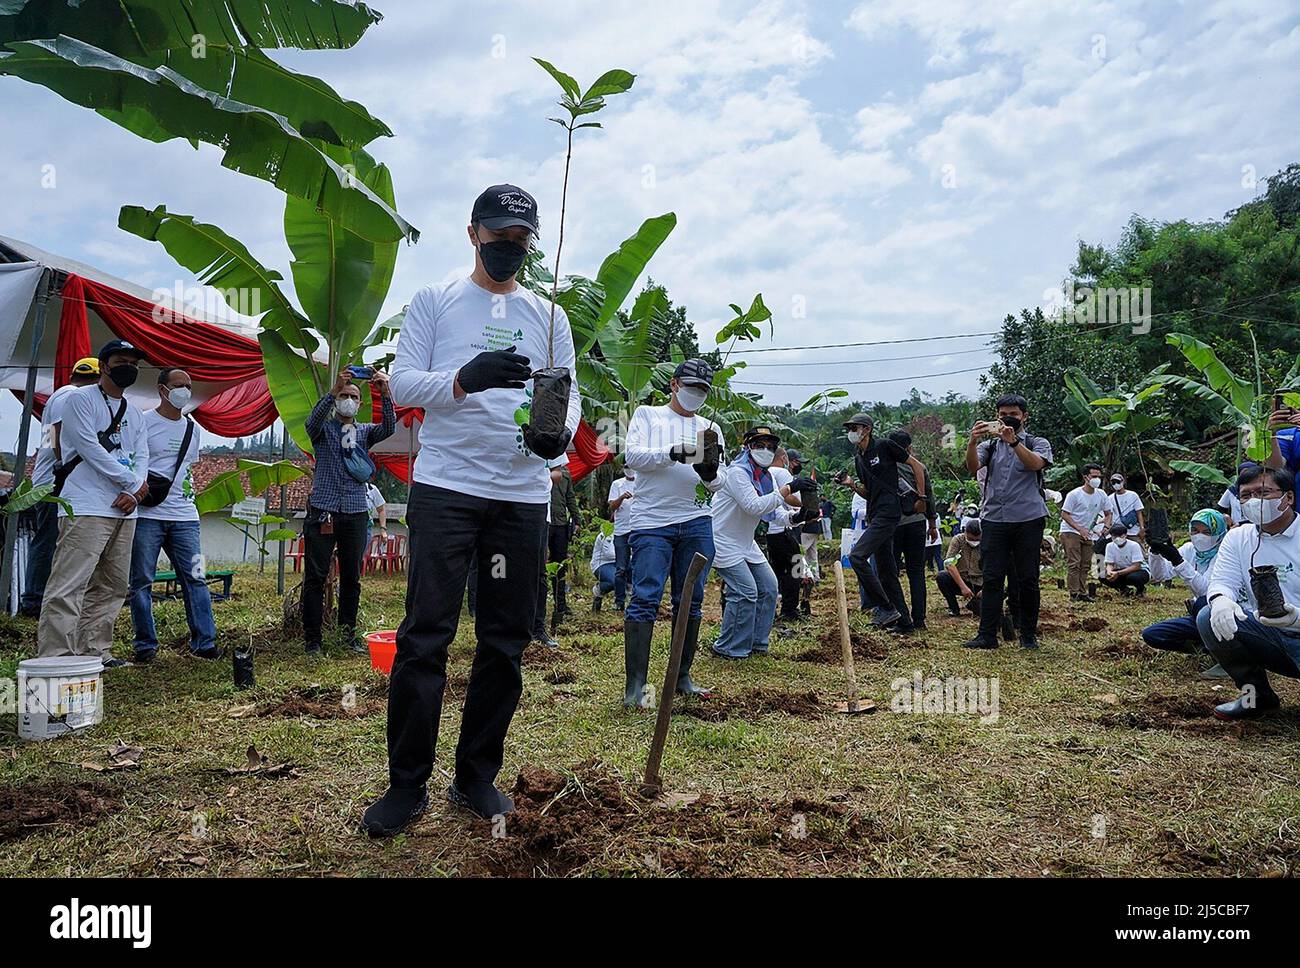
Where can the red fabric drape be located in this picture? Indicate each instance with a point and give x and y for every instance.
(74, 332)
(246, 408)
(207, 353)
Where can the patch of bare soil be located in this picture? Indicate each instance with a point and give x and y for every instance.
(1126, 649)
(1158, 711)
(828, 648)
(560, 676)
(752, 703)
(327, 702)
(563, 823)
(36, 807)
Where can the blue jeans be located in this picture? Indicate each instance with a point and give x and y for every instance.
(605, 578)
(1176, 634)
(751, 608)
(658, 553)
(180, 539)
(622, 567)
(1252, 653)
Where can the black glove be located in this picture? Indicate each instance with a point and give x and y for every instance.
(803, 485)
(493, 370)
(1166, 550)
(547, 446)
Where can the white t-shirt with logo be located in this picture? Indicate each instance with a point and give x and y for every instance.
(623, 514)
(1088, 511)
(43, 469)
(1121, 558)
(165, 438)
(666, 492)
(100, 477)
(475, 445)
(1122, 504)
(781, 477)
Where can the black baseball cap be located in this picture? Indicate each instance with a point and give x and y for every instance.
(119, 346)
(762, 431)
(694, 373)
(795, 456)
(505, 206)
(860, 420)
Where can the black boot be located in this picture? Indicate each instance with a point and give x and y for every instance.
(394, 811)
(636, 660)
(685, 686)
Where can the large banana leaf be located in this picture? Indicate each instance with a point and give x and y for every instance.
(228, 488)
(293, 380)
(630, 357)
(340, 278)
(256, 142)
(621, 269)
(1221, 379)
(1228, 411)
(137, 26)
(216, 258)
(309, 104)
(1202, 472)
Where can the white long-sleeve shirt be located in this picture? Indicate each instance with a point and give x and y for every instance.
(1231, 570)
(737, 509)
(475, 445)
(666, 492)
(100, 477)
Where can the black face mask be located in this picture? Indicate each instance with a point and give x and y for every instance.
(501, 260)
(1012, 422)
(795, 468)
(124, 375)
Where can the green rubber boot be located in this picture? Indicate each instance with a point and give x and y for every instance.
(636, 660)
(685, 687)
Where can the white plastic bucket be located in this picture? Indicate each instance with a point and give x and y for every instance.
(59, 695)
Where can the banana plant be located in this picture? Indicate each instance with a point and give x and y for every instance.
(1237, 402)
(228, 488)
(341, 280)
(167, 69)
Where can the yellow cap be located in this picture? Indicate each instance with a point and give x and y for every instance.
(87, 366)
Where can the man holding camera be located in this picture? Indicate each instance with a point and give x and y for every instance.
(1012, 517)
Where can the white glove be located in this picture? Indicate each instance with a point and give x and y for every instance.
(1289, 620)
(1224, 615)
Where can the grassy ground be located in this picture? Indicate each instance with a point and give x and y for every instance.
(1103, 760)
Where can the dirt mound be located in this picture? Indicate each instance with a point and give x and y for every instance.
(752, 703)
(1158, 711)
(828, 647)
(564, 822)
(1126, 649)
(559, 676)
(1093, 623)
(36, 807)
(327, 702)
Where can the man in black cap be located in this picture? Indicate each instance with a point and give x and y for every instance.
(466, 354)
(101, 469)
(876, 462)
(675, 454)
(784, 540)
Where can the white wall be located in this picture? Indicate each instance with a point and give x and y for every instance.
(224, 545)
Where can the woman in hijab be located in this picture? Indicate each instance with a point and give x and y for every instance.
(1191, 563)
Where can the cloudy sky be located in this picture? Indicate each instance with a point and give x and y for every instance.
(877, 170)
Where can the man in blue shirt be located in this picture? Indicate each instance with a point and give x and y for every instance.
(338, 512)
(1285, 426)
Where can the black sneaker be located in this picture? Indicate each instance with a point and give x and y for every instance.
(979, 642)
(110, 662)
(954, 613)
(143, 658)
(481, 799)
(212, 653)
(546, 641)
(1028, 642)
(313, 650)
(394, 811)
(886, 618)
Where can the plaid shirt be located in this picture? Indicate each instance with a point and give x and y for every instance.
(332, 487)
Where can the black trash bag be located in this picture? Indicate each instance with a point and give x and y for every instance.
(545, 433)
(1267, 591)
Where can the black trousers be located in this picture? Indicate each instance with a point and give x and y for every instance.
(1010, 552)
(1134, 579)
(350, 538)
(881, 585)
(910, 541)
(558, 550)
(950, 592)
(783, 549)
(447, 527)
(42, 522)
